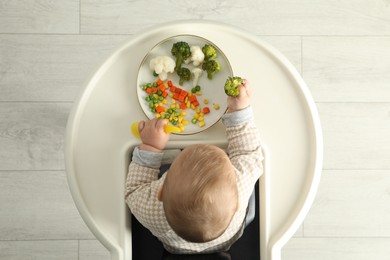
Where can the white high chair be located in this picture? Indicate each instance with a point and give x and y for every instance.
(99, 140)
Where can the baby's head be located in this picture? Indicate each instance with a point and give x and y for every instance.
(200, 193)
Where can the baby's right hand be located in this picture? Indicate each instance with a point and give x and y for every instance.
(242, 100)
(153, 135)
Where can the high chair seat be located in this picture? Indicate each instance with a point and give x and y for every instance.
(99, 141)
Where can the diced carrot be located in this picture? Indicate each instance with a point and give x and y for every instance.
(183, 106)
(159, 82)
(170, 83)
(172, 89)
(206, 110)
(161, 87)
(178, 90)
(164, 94)
(195, 103)
(159, 109)
(148, 90)
(154, 89)
(176, 96)
(193, 98)
(183, 93)
(181, 98)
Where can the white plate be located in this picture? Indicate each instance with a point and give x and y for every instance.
(212, 90)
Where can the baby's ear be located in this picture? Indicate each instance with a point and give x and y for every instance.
(160, 194)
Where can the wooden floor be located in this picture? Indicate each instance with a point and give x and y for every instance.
(48, 48)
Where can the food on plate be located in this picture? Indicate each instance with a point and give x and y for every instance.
(197, 56)
(211, 67)
(209, 52)
(184, 74)
(181, 51)
(196, 73)
(231, 86)
(161, 66)
(177, 68)
(170, 102)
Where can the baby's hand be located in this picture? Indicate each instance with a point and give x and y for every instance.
(242, 100)
(153, 135)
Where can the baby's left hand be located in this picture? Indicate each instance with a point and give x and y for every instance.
(153, 135)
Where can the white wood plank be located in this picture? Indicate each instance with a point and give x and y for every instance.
(93, 250)
(284, 17)
(39, 250)
(356, 135)
(50, 67)
(32, 135)
(289, 46)
(38, 206)
(351, 204)
(339, 69)
(39, 16)
(337, 249)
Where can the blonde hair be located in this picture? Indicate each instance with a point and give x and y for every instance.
(200, 193)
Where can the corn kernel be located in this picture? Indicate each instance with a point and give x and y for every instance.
(201, 114)
(177, 106)
(192, 107)
(158, 115)
(173, 101)
(181, 128)
(201, 123)
(172, 106)
(198, 110)
(198, 93)
(184, 122)
(165, 101)
(171, 95)
(196, 116)
(206, 101)
(201, 118)
(216, 106)
(188, 104)
(183, 113)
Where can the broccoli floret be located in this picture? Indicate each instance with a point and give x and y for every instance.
(182, 51)
(212, 67)
(209, 52)
(231, 86)
(184, 74)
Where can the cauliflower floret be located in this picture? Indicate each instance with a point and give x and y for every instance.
(196, 72)
(162, 65)
(197, 56)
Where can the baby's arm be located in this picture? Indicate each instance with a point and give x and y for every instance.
(142, 184)
(244, 146)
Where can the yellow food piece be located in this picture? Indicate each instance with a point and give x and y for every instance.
(134, 129)
(216, 106)
(172, 129)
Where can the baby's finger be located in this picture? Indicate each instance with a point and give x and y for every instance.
(247, 87)
(141, 126)
(161, 123)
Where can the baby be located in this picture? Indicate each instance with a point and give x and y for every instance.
(200, 204)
